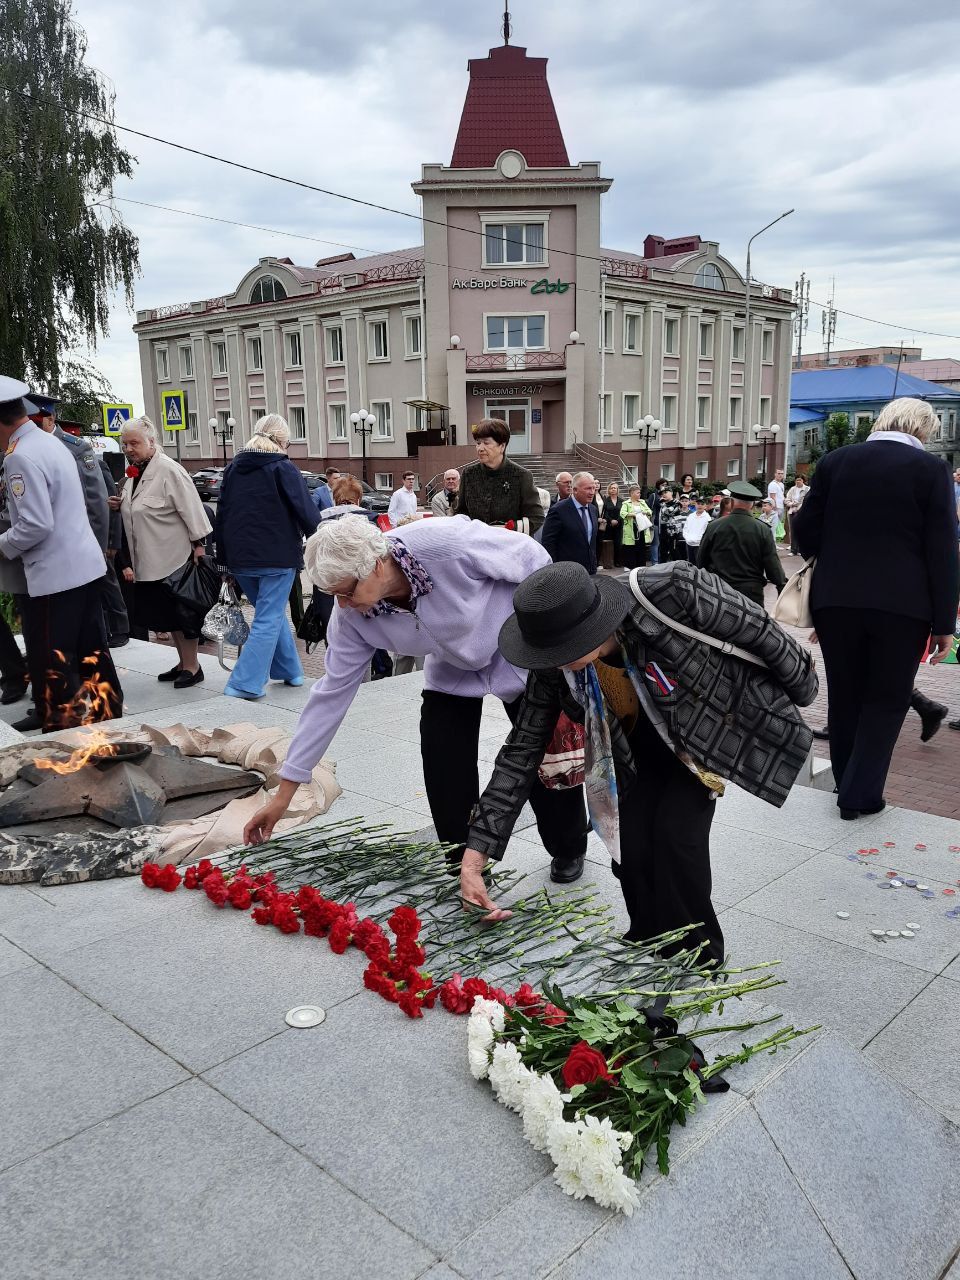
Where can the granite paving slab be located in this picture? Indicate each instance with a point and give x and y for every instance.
(935, 861)
(879, 1167)
(735, 1212)
(920, 1048)
(188, 1187)
(744, 861)
(811, 895)
(211, 712)
(827, 982)
(203, 984)
(389, 1108)
(13, 958)
(809, 817)
(67, 1064)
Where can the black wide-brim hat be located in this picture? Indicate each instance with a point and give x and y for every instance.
(562, 614)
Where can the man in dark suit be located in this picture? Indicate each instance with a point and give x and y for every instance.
(881, 520)
(570, 529)
(564, 483)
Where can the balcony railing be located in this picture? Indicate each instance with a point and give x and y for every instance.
(503, 362)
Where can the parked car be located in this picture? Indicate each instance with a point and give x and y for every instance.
(373, 499)
(207, 483)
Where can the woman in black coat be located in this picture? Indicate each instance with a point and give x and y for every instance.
(613, 532)
(881, 587)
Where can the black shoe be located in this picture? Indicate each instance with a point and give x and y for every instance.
(953, 724)
(567, 870)
(13, 695)
(30, 721)
(931, 718)
(187, 678)
(848, 815)
(822, 735)
(173, 674)
(117, 642)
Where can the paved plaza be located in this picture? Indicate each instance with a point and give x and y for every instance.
(162, 1121)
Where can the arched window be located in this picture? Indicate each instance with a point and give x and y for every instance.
(267, 289)
(710, 277)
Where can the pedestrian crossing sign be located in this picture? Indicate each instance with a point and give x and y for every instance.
(114, 416)
(173, 410)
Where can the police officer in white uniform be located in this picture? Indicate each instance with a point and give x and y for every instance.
(50, 532)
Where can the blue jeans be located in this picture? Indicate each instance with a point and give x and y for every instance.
(271, 651)
(655, 546)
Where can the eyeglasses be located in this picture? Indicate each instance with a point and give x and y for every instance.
(347, 595)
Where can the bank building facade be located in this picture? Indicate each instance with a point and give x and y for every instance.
(510, 308)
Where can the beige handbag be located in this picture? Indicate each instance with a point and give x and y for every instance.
(793, 606)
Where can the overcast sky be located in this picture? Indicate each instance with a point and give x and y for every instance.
(711, 116)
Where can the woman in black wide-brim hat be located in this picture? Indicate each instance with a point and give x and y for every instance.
(679, 682)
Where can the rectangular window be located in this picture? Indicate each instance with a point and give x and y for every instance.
(766, 347)
(412, 339)
(632, 476)
(256, 413)
(671, 336)
(298, 422)
(513, 243)
(703, 413)
(733, 466)
(193, 429)
(669, 413)
(254, 355)
(700, 470)
(163, 364)
(606, 331)
(218, 355)
(378, 341)
(764, 411)
(632, 333)
(224, 430)
(337, 418)
(738, 342)
(383, 427)
(631, 413)
(335, 344)
(516, 333)
(186, 362)
(666, 470)
(294, 350)
(606, 418)
(383, 480)
(417, 419)
(706, 339)
(736, 413)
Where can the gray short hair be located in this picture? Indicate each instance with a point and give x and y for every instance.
(912, 417)
(345, 548)
(141, 424)
(581, 475)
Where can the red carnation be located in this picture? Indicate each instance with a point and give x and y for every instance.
(262, 915)
(584, 1065)
(169, 878)
(204, 867)
(339, 937)
(405, 922)
(132, 472)
(409, 952)
(410, 1005)
(150, 874)
(238, 895)
(553, 1016)
(476, 987)
(216, 890)
(526, 997)
(190, 878)
(285, 918)
(453, 997)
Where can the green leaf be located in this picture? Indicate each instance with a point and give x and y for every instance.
(632, 1079)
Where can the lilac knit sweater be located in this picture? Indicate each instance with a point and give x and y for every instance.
(475, 569)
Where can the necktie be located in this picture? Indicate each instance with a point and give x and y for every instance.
(586, 522)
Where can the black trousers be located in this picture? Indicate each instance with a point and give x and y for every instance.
(664, 870)
(449, 742)
(113, 604)
(871, 658)
(13, 665)
(66, 646)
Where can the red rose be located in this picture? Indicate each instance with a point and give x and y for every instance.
(584, 1065)
(150, 874)
(169, 878)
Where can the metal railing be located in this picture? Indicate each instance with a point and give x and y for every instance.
(598, 458)
(500, 361)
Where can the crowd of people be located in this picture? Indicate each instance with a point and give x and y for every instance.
(632, 699)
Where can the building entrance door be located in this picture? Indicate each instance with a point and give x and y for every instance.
(516, 414)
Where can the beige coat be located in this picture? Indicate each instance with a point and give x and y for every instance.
(162, 519)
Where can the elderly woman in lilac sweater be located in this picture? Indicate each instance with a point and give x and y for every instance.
(441, 590)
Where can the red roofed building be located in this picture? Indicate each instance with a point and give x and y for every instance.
(510, 308)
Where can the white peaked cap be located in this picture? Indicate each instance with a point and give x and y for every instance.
(11, 389)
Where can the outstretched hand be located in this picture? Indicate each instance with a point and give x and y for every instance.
(473, 890)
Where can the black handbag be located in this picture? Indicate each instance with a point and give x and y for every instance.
(194, 589)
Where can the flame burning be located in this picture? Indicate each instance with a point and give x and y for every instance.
(94, 701)
(98, 746)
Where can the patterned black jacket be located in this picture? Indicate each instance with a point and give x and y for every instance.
(727, 715)
(495, 497)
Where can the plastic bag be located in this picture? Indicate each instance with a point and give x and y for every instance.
(194, 589)
(225, 622)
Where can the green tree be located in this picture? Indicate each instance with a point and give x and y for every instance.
(836, 432)
(63, 251)
(82, 390)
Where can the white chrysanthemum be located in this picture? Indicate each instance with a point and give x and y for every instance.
(611, 1188)
(479, 1046)
(565, 1144)
(509, 1077)
(600, 1136)
(542, 1107)
(490, 1010)
(570, 1181)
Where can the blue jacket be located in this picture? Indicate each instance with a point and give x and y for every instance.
(263, 514)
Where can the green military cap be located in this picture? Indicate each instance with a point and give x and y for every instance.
(740, 489)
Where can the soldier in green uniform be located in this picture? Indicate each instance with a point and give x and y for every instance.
(740, 549)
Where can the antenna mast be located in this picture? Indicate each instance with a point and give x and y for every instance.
(801, 299)
(505, 29)
(829, 323)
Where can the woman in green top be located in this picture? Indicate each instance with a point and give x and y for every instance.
(635, 541)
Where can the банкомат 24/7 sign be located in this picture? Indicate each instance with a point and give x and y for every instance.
(512, 282)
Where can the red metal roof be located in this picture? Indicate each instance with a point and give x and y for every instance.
(509, 107)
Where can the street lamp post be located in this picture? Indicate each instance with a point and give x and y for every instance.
(648, 429)
(222, 433)
(747, 383)
(363, 422)
(764, 434)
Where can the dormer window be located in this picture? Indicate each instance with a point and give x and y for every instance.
(710, 277)
(268, 289)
